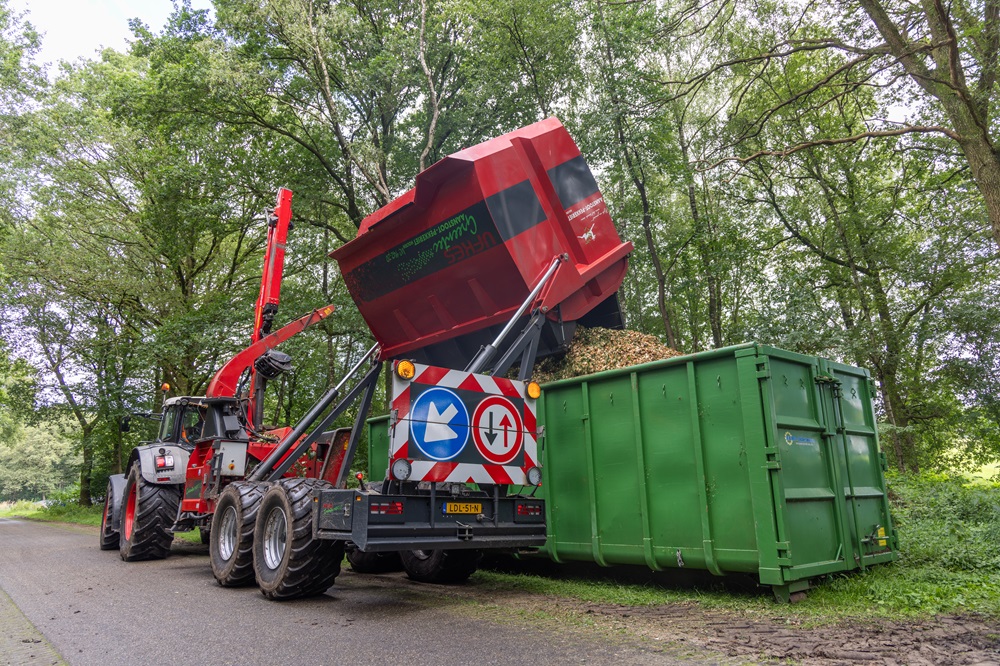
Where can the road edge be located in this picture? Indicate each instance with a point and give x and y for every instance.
(20, 641)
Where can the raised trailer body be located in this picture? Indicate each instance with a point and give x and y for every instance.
(436, 272)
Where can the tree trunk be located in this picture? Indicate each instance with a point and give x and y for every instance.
(635, 170)
(87, 469)
(703, 232)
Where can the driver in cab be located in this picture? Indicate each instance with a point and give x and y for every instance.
(193, 426)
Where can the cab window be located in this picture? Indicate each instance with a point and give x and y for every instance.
(193, 423)
(168, 425)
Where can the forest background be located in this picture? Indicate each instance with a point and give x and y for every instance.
(819, 176)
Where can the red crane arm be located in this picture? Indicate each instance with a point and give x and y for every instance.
(223, 384)
(278, 225)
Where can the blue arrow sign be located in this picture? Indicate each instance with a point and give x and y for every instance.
(439, 424)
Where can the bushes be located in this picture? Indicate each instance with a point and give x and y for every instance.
(949, 531)
(947, 522)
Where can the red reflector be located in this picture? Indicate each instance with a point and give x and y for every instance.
(163, 478)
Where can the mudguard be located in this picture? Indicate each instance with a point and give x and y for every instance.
(117, 483)
(145, 456)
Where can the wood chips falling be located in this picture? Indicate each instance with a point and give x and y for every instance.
(599, 349)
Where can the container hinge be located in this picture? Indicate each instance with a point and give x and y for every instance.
(832, 381)
(784, 553)
(771, 458)
(763, 371)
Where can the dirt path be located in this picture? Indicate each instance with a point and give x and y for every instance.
(941, 641)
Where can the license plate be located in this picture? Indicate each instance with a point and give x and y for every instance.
(463, 507)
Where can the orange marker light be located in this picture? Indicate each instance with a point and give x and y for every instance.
(406, 370)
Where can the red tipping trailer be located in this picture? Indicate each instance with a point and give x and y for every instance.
(453, 258)
(489, 261)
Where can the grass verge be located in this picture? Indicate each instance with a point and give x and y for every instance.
(63, 512)
(70, 512)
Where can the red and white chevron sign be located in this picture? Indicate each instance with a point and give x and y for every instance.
(463, 427)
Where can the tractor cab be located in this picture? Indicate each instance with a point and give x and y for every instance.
(188, 420)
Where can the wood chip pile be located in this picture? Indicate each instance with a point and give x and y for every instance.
(599, 349)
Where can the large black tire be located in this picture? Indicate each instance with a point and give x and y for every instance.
(373, 563)
(288, 561)
(231, 536)
(109, 530)
(148, 513)
(440, 566)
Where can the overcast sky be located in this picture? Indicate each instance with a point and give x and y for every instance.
(80, 28)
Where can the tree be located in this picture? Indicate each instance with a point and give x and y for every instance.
(40, 462)
(933, 66)
(951, 52)
(18, 387)
(20, 82)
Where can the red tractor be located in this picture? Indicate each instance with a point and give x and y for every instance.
(204, 442)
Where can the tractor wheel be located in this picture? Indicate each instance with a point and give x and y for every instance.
(231, 536)
(374, 563)
(288, 561)
(148, 513)
(440, 566)
(109, 531)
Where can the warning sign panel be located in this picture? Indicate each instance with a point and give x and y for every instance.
(497, 430)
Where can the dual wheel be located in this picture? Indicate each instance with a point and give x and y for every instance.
(263, 532)
(440, 566)
(425, 566)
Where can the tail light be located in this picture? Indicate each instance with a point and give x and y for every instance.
(164, 462)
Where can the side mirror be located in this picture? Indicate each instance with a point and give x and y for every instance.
(126, 423)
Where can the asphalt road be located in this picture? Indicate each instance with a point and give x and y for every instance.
(67, 599)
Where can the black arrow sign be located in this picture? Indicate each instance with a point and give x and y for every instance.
(491, 434)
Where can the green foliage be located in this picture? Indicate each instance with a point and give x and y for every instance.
(38, 463)
(18, 387)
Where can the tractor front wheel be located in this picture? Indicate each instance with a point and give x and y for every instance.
(440, 566)
(231, 535)
(148, 513)
(289, 562)
(109, 531)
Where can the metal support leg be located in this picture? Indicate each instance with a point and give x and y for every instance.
(526, 345)
(266, 465)
(359, 421)
(317, 432)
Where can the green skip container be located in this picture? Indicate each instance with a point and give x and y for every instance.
(745, 459)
